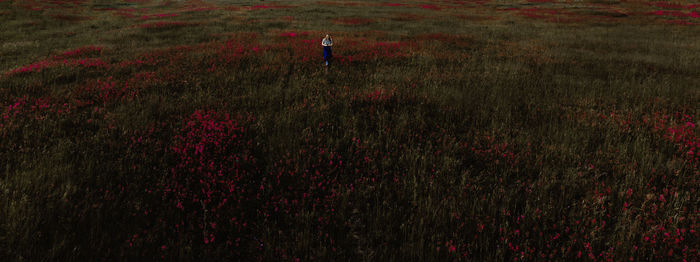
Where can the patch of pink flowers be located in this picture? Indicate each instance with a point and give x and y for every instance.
(212, 178)
(294, 34)
(431, 7)
(25, 108)
(86, 62)
(82, 51)
(693, 14)
(683, 135)
(41, 65)
(681, 132)
(34, 67)
(103, 92)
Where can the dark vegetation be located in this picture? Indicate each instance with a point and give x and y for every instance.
(444, 130)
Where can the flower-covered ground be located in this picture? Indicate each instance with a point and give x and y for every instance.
(443, 130)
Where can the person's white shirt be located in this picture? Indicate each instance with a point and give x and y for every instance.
(326, 42)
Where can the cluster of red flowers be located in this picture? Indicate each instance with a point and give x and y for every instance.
(362, 50)
(103, 92)
(77, 57)
(24, 108)
(38, 66)
(218, 190)
(34, 67)
(685, 17)
(683, 135)
(213, 181)
(82, 51)
(293, 34)
(693, 14)
(431, 7)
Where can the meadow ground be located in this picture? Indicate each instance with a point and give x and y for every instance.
(444, 130)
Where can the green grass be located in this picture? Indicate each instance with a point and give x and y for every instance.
(471, 132)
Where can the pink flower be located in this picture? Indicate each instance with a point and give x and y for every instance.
(432, 7)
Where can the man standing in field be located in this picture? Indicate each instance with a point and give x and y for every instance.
(327, 42)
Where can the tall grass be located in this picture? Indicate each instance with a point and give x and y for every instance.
(455, 130)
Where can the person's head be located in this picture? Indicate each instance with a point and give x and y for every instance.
(328, 36)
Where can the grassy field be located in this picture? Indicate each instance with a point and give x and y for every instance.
(443, 130)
